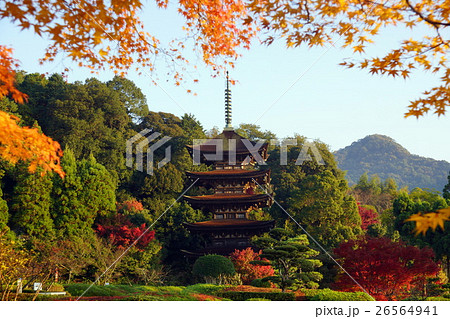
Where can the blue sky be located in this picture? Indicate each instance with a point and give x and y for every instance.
(327, 102)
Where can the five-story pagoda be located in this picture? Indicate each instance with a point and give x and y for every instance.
(237, 189)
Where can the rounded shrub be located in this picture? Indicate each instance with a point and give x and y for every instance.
(260, 283)
(213, 266)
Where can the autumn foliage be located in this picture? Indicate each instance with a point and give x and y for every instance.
(241, 260)
(13, 265)
(120, 232)
(28, 144)
(355, 24)
(132, 206)
(387, 270)
(7, 75)
(429, 220)
(23, 143)
(110, 35)
(368, 216)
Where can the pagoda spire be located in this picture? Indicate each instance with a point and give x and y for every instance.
(228, 106)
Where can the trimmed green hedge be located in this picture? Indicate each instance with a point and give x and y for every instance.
(55, 287)
(331, 295)
(97, 290)
(309, 293)
(159, 298)
(206, 289)
(245, 295)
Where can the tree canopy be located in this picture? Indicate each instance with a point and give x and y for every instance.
(315, 195)
(430, 216)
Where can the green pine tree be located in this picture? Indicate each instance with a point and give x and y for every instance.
(291, 258)
(130, 96)
(70, 216)
(98, 193)
(87, 191)
(30, 209)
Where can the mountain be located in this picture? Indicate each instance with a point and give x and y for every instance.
(381, 155)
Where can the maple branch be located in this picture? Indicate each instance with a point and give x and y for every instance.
(425, 51)
(426, 19)
(372, 3)
(438, 33)
(164, 51)
(146, 41)
(307, 11)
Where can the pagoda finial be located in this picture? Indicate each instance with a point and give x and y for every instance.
(228, 106)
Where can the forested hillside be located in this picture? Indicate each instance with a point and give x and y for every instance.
(381, 155)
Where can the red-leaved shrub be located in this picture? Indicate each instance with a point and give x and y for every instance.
(369, 216)
(122, 233)
(385, 269)
(241, 260)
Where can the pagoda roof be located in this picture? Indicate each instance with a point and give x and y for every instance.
(220, 174)
(230, 224)
(224, 251)
(227, 198)
(210, 145)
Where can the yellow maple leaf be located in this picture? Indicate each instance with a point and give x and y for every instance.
(102, 52)
(429, 220)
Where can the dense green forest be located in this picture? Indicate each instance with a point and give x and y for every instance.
(82, 223)
(381, 155)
